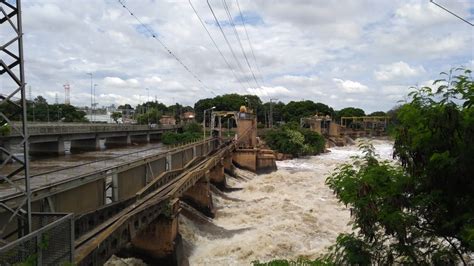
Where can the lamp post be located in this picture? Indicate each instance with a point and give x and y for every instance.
(95, 101)
(204, 121)
(90, 74)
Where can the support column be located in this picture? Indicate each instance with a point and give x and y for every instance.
(85, 145)
(199, 196)
(161, 240)
(47, 148)
(140, 138)
(228, 167)
(168, 162)
(111, 142)
(217, 176)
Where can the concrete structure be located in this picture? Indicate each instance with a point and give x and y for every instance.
(135, 199)
(48, 139)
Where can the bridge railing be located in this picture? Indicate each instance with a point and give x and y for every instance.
(50, 243)
(71, 128)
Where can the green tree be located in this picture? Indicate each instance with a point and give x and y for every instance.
(116, 116)
(421, 212)
(378, 113)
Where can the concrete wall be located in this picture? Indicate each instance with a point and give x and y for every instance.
(81, 199)
(177, 160)
(158, 166)
(130, 181)
(245, 159)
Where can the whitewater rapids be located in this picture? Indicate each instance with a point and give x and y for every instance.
(287, 214)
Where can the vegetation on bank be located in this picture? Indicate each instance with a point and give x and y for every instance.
(191, 132)
(291, 139)
(420, 211)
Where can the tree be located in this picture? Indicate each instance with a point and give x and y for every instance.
(378, 113)
(116, 116)
(421, 211)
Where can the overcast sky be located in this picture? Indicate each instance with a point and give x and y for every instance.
(363, 53)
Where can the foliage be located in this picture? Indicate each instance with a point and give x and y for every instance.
(348, 112)
(421, 211)
(152, 116)
(298, 262)
(378, 113)
(116, 116)
(293, 140)
(191, 132)
(5, 130)
(193, 128)
(294, 110)
(171, 138)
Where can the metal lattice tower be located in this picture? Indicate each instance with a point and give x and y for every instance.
(15, 219)
(67, 93)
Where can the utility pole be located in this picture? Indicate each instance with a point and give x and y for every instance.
(95, 102)
(270, 118)
(11, 47)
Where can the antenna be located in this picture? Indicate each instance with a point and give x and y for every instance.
(67, 93)
(56, 98)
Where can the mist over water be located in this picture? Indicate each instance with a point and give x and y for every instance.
(286, 214)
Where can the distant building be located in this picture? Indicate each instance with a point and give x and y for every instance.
(167, 120)
(188, 117)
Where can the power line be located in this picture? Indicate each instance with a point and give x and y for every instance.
(452, 13)
(152, 33)
(226, 40)
(250, 43)
(231, 21)
(215, 44)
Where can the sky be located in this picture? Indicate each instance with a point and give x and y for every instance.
(361, 53)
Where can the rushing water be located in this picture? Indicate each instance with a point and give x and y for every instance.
(286, 214)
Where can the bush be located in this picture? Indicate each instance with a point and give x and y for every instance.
(292, 140)
(171, 138)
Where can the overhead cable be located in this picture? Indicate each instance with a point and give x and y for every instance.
(250, 43)
(226, 40)
(231, 22)
(153, 35)
(215, 44)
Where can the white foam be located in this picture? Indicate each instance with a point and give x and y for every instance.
(288, 213)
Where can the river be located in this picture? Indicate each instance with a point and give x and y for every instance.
(287, 214)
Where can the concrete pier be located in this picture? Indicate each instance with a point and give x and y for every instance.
(217, 176)
(140, 138)
(47, 148)
(199, 196)
(85, 145)
(118, 141)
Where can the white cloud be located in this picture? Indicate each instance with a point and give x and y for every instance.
(299, 46)
(397, 70)
(269, 91)
(350, 86)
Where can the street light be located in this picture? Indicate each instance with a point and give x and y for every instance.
(91, 94)
(204, 120)
(95, 101)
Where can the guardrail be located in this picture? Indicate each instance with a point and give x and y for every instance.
(51, 242)
(59, 128)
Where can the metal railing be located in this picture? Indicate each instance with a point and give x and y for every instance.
(51, 242)
(66, 128)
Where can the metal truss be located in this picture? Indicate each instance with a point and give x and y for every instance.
(14, 168)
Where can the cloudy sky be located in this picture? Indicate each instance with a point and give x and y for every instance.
(363, 53)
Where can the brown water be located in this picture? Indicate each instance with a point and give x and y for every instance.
(286, 214)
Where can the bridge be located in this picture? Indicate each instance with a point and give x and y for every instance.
(89, 212)
(49, 138)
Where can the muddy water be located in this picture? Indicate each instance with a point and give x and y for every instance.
(286, 214)
(49, 163)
